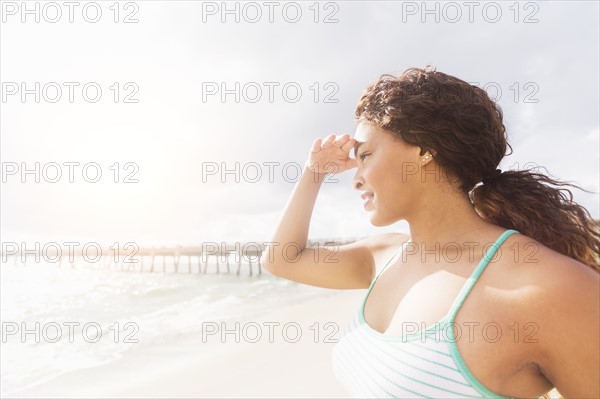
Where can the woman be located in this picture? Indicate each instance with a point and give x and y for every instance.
(434, 324)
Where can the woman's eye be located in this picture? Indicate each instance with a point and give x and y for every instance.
(363, 155)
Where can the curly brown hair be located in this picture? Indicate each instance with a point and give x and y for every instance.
(463, 130)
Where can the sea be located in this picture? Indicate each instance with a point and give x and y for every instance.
(59, 319)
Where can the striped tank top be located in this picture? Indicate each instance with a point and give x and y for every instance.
(414, 365)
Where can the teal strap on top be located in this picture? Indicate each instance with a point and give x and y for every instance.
(489, 254)
(454, 309)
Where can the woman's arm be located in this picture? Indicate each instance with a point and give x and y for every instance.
(343, 267)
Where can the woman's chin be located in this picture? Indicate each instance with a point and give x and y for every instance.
(377, 221)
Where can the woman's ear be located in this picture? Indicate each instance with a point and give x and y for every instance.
(424, 150)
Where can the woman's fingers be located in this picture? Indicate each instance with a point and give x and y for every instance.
(328, 141)
(348, 145)
(332, 150)
(340, 141)
(316, 146)
(344, 142)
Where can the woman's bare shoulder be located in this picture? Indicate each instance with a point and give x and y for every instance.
(532, 275)
(544, 267)
(560, 297)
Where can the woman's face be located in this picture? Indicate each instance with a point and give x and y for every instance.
(388, 174)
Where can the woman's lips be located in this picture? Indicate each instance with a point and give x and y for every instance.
(367, 199)
(366, 195)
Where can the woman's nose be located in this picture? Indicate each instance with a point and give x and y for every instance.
(357, 181)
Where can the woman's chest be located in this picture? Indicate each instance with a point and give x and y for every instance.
(484, 318)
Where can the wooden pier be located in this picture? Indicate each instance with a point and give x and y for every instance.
(200, 259)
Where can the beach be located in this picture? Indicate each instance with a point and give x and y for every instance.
(288, 367)
(197, 336)
(276, 366)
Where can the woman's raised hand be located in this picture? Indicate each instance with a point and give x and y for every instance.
(331, 155)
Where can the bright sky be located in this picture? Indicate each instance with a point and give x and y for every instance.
(179, 52)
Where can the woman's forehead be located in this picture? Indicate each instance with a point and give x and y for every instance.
(368, 132)
(371, 133)
(365, 131)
